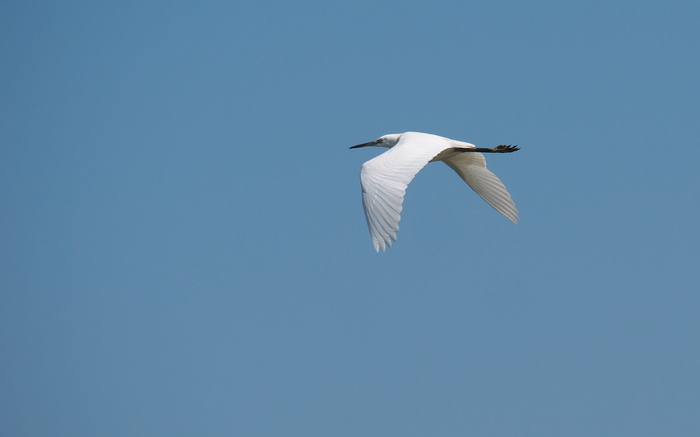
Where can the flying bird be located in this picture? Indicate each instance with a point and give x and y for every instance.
(384, 179)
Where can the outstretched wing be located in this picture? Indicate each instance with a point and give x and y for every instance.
(385, 178)
(471, 166)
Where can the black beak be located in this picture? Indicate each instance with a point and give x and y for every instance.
(371, 143)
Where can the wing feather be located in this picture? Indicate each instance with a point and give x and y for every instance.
(471, 167)
(384, 180)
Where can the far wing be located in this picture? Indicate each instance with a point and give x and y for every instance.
(385, 178)
(471, 166)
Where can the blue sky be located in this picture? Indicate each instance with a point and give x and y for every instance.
(184, 250)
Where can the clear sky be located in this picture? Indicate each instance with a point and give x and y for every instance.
(184, 252)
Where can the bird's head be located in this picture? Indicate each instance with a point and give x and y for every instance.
(387, 141)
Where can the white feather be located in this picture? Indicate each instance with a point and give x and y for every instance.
(384, 179)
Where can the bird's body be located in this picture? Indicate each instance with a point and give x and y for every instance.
(384, 179)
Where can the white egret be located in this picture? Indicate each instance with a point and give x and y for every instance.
(384, 179)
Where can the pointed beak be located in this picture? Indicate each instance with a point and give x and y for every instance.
(371, 143)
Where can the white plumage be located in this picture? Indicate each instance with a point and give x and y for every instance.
(384, 179)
